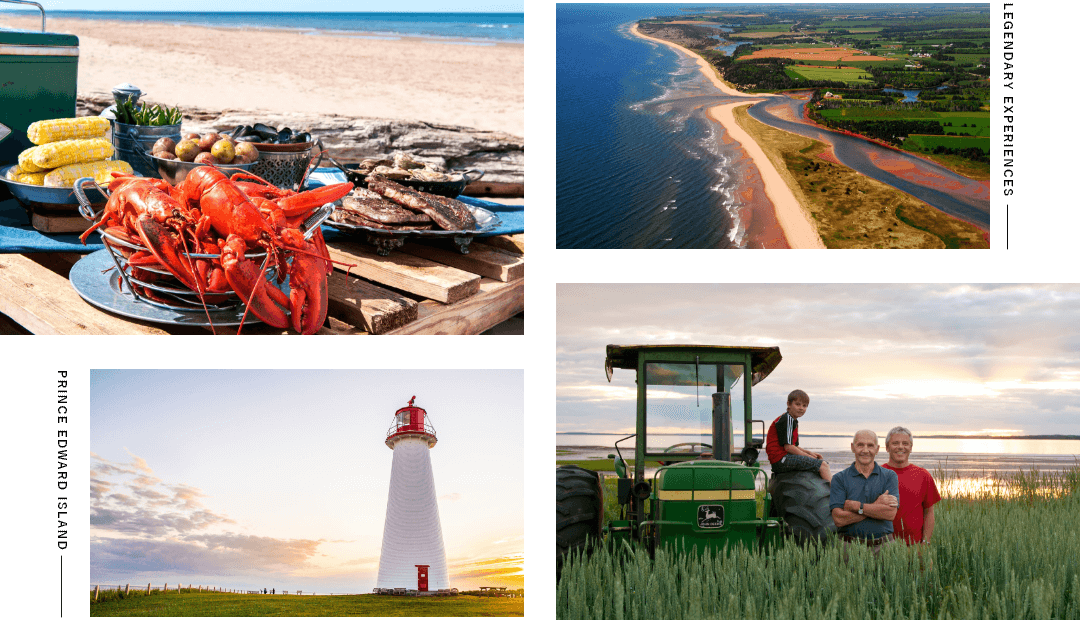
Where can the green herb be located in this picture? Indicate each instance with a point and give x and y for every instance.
(129, 113)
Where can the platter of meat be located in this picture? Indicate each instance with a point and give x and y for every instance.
(388, 213)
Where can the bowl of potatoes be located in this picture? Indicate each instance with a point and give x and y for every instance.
(174, 160)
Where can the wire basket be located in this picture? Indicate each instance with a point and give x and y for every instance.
(285, 169)
(155, 285)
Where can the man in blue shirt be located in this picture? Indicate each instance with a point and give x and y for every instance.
(864, 496)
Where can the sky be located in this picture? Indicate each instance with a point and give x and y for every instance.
(937, 358)
(279, 479)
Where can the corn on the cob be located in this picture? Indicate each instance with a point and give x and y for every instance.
(64, 152)
(17, 174)
(101, 171)
(26, 161)
(54, 130)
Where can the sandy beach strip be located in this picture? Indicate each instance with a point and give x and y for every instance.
(795, 220)
(706, 69)
(441, 82)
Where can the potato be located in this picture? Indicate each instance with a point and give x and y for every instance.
(186, 150)
(246, 150)
(223, 151)
(206, 142)
(164, 145)
(191, 136)
(164, 155)
(206, 158)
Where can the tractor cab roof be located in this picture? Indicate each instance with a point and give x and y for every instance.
(762, 359)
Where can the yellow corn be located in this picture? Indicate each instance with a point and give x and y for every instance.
(26, 161)
(64, 152)
(54, 130)
(19, 175)
(101, 171)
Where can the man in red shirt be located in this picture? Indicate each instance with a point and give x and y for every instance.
(918, 492)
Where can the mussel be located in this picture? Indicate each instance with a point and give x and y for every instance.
(268, 133)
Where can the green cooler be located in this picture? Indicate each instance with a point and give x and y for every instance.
(38, 76)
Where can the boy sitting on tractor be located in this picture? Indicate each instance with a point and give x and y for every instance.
(782, 441)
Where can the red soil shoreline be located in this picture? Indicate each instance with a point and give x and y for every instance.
(923, 179)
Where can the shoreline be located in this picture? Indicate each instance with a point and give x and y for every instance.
(295, 70)
(794, 217)
(703, 65)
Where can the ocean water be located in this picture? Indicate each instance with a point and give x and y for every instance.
(478, 28)
(638, 165)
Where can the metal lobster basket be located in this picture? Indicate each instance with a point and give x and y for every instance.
(156, 286)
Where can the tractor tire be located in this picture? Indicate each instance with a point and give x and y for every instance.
(801, 499)
(579, 510)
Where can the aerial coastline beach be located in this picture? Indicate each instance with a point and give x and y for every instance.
(706, 69)
(792, 215)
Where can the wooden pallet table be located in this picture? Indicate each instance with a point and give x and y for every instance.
(417, 289)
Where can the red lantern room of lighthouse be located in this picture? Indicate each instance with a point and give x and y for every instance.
(410, 421)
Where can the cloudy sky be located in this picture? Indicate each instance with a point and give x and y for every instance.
(936, 358)
(252, 479)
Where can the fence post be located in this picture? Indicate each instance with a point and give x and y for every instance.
(126, 589)
(148, 589)
(166, 589)
(96, 590)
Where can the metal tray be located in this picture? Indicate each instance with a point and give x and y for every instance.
(386, 240)
(96, 280)
(32, 195)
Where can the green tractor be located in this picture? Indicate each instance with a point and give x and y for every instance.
(703, 495)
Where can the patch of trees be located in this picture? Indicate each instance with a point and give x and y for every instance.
(743, 50)
(973, 153)
(687, 35)
(890, 130)
(766, 73)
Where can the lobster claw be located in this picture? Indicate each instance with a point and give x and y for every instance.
(268, 303)
(164, 243)
(309, 294)
(306, 202)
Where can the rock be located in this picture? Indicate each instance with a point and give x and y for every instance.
(352, 139)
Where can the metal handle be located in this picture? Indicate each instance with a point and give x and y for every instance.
(85, 208)
(40, 8)
(316, 219)
(469, 179)
(312, 164)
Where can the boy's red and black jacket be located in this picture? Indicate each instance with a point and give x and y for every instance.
(783, 430)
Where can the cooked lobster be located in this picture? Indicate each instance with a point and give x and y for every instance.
(209, 213)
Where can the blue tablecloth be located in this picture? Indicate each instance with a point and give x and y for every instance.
(17, 236)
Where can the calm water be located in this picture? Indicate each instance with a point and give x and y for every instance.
(476, 27)
(967, 458)
(638, 164)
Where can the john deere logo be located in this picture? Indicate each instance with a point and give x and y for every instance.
(710, 516)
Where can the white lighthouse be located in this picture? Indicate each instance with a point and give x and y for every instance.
(413, 556)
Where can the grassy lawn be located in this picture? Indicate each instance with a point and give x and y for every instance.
(850, 75)
(601, 464)
(221, 604)
(951, 142)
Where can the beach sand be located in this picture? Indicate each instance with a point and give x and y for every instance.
(799, 229)
(478, 86)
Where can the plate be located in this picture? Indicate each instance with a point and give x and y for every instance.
(38, 194)
(386, 240)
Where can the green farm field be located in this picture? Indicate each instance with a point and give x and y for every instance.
(850, 75)
(950, 142)
(1005, 551)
